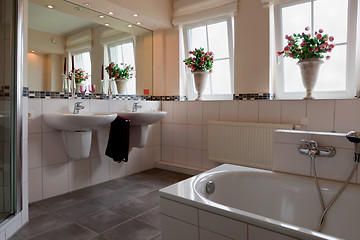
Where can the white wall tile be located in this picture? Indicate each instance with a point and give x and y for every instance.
(269, 111)
(79, 174)
(194, 112)
(35, 184)
(167, 134)
(205, 137)
(291, 136)
(177, 230)
(116, 106)
(166, 153)
(157, 133)
(100, 170)
(180, 112)
(256, 233)
(55, 180)
(211, 111)
(347, 115)
(179, 211)
(150, 137)
(129, 105)
(225, 226)
(25, 160)
(167, 106)
(34, 150)
(337, 140)
(229, 111)
(179, 135)
(194, 157)
(146, 158)
(320, 114)
(293, 111)
(134, 163)
(179, 155)
(117, 170)
(194, 136)
(248, 111)
(206, 163)
(53, 150)
(157, 153)
(97, 105)
(53, 106)
(35, 109)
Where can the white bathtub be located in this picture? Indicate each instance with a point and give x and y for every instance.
(282, 203)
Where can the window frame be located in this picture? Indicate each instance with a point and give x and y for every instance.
(278, 76)
(190, 87)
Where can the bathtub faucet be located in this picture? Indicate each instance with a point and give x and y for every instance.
(311, 148)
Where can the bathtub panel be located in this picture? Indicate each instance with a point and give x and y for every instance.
(256, 233)
(180, 211)
(225, 226)
(173, 229)
(207, 235)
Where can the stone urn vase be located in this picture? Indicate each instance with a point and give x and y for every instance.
(309, 68)
(200, 79)
(121, 84)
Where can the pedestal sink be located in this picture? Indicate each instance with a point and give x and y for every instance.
(139, 125)
(77, 130)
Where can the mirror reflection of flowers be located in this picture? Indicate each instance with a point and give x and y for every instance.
(301, 46)
(80, 75)
(200, 61)
(114, 71)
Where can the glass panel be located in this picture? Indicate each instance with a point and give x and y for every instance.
(218, 40)
(332, 76)
(293, 21)
(292, 77)
(197, 38)
(331, 16)
(83, 61)
(220, 78)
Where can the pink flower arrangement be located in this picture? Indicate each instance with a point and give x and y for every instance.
(80, 75)
(117, 72)
(200, 61)
(301, 46)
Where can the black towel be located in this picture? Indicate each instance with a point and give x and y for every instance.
(119, 138)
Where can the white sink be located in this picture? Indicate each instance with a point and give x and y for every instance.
(143, 118)
(78, 122)
(139, 125)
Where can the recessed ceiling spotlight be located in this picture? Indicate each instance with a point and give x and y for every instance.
(135, 15)
(138, 23)
(87, 5)
(107, 24)
(32, 51)
(50, 6)
(129, 26)
(110, 13)
(101, 16)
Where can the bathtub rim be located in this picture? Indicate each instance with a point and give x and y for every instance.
(174, 193)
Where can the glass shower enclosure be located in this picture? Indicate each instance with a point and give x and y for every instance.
(10, 107)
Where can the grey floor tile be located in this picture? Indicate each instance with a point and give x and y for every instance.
(16, 237)
(137, 189)
(139, 205)
(113, 198)
(61, 201)
(132, 230)
(82, 209)
(121, 183)
(69, 231)
(152, 217)
(99, 238)
(92, 192)
(36, 210)
(102, 221)
(42, 224)
(157, 237)
(159, 182)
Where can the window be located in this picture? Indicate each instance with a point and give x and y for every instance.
(336, 75)
(218, 38)
(124, 53)
(82, 60)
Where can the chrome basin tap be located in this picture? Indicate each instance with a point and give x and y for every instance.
(78, 107)
(135, 107)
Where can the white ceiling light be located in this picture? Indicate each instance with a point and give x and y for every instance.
(107, 24)
(79, 8)
(129, 26)
(50, 6)
(135, 15)
(33, 51)
(138, 23)
(101, 16)
(110, 13)
(87, 5)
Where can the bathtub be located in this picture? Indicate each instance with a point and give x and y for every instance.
(256, 204)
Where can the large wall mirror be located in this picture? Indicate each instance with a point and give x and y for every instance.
(92, 39)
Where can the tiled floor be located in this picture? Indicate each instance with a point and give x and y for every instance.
(126, 208)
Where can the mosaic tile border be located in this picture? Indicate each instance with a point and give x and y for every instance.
(254, 96)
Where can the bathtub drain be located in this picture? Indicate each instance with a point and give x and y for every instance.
(210, 187)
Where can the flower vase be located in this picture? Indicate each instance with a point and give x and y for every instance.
(77, 88)
(121, 84)
(309, 68)
(112, 87)
(200, 80)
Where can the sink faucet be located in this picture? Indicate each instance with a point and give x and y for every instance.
(135, 107)
(78, 107)
(312, 149)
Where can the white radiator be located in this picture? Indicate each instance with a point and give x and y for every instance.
(242, 143)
